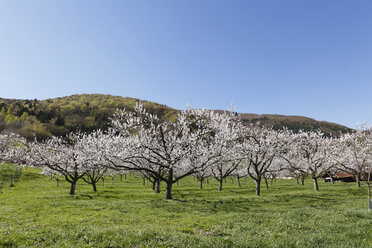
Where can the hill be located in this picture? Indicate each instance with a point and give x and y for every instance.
(296, 123)
(86, 112)
(58, 116)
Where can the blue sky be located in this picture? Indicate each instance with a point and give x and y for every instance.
(311, 58)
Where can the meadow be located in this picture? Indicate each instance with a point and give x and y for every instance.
(37, 213)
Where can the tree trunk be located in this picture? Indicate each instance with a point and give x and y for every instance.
(153, 185)
(73, 187)
(258, 187)
(302, 181)
(207, 180)
(201, 183)
(94, 186)
(297, 180)
(168, 195)
(103, 181)
(332, 180)
(143, 181)
(121, 178)
(220, 186)
(267, 185)
(238, 180)
(57, 182)
(368, 181)
(358, 181)
(316, 187)
(158, 186)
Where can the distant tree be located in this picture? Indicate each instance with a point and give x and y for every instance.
(59, 121)
(95, 165)
(259, 148)
(62, 156)
(3, 111)
(353, 153)
(313, 150)
(11, 147)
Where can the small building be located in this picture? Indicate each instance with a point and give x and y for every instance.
(339, 177)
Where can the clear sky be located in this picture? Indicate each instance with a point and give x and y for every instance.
(311, 58)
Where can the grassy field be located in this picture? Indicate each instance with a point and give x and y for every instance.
(36, 213)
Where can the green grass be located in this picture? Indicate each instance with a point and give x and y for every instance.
(36, 213)
(9, 173)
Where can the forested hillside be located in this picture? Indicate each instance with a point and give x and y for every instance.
(296, 123)
(59, 116)
(87, 112)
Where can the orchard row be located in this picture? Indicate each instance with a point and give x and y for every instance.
(203, 143)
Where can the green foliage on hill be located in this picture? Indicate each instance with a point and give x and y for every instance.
(59, 116)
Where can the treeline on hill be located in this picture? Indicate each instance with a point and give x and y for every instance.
(59, 116)
(296, 123)
(87, 112)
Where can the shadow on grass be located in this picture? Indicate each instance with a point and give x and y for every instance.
(228, 201)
